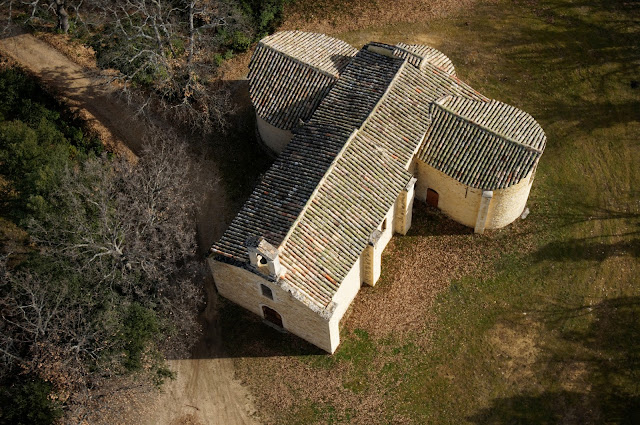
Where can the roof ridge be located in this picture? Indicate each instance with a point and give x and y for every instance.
(355, 132)
(317, 188)
(423, 59)
(482, 127)
(303, 63)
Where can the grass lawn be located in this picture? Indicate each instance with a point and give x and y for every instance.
(536, 323)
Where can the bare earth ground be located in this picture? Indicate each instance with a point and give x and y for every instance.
(205, 390)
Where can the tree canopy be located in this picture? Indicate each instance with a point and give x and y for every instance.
(113, 283)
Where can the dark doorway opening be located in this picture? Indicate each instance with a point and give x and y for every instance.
(272, 316)
(432, 198)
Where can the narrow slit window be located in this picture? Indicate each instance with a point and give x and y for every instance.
(384, 225)
(266, 291)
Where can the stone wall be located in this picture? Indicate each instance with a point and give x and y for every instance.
(507, 204)
(456, 200)
(275, 138)
(404, 209)
(371, 257)
(343, 298)
(243, 288)
(461, 202)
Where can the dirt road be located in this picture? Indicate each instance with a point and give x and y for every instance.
(205, 390)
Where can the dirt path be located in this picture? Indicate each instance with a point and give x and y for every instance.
(205, 390)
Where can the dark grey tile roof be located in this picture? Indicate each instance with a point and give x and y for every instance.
(286, 187)
(428, 54)
(291, 72)
(486, 145)
(343, 170)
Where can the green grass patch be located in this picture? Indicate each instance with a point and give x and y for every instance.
(549, 333)
(551, 338)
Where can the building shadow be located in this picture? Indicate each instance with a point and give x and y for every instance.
(230, 331)
(240, 158)
(603, 358)
(430, 221)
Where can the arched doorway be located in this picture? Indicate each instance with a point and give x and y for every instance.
(272, 316)
(432, 198)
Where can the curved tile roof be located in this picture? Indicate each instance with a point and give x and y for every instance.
(286, 187)
(506, 120)
(486, 145)
(331, 186)
(290, 73)
(428, 54)
(327, 54)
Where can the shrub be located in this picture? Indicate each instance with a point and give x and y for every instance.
(27, 401)
(240, 41)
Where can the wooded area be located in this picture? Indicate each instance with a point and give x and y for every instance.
(109, 283)
(164, 53)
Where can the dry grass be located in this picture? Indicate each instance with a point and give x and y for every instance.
(331, 16)
(417, 267)
(353, 385)
(537, 323)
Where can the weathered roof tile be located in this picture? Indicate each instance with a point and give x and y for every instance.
(291, 72)
(486, 145)
(343, 170)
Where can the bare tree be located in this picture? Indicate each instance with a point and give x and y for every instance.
(117, 242)
(34, 8)
(163, 52)
(49, 331)
(169, 46)
(131, 226)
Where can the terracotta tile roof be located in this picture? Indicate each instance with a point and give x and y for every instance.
(349, 204)
(286, 187)
(291, 72)
(365, 180)
(486, 145)
(332, 185)
(428, 54)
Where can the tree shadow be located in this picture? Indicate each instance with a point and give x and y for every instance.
(570, 40)
(581, 249)
(581, 212)
(598, 247)
(594, 370)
